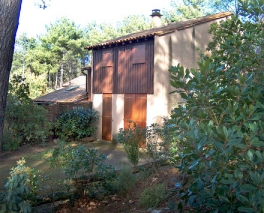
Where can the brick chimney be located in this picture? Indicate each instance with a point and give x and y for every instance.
(156, 18)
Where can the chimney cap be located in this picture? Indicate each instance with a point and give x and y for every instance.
(156, 12)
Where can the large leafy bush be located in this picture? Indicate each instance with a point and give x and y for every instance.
(20, 188)
(27, 122)
(76, 124)
(220, 127)
(156, 138)
(24, 121)
(132, 138)
(85, 166)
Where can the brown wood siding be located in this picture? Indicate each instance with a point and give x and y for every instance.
(139, 54)
(107, 58)
(89, 84)
(135, 109)
(107, 79)
(107, 117)
(136, 79)
(120, 71)
(97, 58)
(56, 109)
(132, 69)
(103, 74)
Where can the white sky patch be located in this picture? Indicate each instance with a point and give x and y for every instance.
(33, 20)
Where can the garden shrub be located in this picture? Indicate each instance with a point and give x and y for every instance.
(27, 122)
(76, 124)
(131, 139)
(24, 121)
(10, 143)
(20, 188)
(220, 127)
(153, 196)
(158, 140)
(125, 180)
(82, 163)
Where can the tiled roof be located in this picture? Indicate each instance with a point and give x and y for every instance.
(161, 30)
(75, 91)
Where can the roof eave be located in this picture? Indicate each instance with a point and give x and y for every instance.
(119, 41)
(159, 31)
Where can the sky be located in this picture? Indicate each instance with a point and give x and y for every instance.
(33, 19)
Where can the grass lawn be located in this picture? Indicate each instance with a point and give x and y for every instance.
(37, 157)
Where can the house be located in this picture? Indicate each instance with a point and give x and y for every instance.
(73, 94)
(130, 78)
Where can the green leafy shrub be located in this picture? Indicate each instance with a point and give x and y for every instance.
(24, 121)
(83, 166)
(131, 139)
(125, 180)
(27, 122)
(21, 189)
(9, 142)
(159, 141)
(76, 124)
(220, 126)
(153, 196)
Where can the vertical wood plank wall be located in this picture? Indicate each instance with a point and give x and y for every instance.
(124, 69)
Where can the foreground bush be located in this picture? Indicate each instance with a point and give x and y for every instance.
(26, 122)
(157, 139)
(83, 166)
(76, 124)
(10, 143)
(220, 128)
(132, 138)
(153, 196)
(125, 181)
(20, 189)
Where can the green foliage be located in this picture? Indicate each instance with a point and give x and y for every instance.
(96, 33)
(125, 181)
(76, 124)
(188, 9)
(20, 187)
(220, 126)
(132, 24)
(81, 163)
(42, 59)
(24, 121)
(27, 122)
(131, 139)
(159, 139)
(153, 196)
(19, 88)
(9, 142)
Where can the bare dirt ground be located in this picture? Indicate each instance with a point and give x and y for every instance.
(129, 203)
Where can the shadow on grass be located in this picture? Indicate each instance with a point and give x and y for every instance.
(52, 179)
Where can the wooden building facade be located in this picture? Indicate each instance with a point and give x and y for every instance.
(130, 78)
(124, 69)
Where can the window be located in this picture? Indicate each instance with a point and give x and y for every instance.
(107, 58)
(139, 54)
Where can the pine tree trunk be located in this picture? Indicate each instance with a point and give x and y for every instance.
(9, 17)
(56, 80)
(61, 76)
